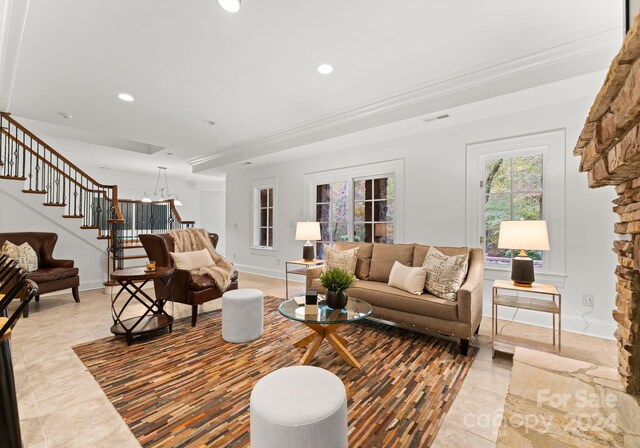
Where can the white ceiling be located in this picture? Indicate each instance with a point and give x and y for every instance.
(254, 73)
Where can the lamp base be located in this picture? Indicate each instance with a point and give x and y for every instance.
(522, 271)
(308, 253)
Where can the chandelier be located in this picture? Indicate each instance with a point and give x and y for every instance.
(162, 192)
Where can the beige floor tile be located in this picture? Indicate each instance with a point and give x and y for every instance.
(477, 411)
(452, 436)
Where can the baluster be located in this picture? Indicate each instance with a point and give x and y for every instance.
(37, 168)
(24, 157)
(64, 184)
(31, 165)
(75, 194)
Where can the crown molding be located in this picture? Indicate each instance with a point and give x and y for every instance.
(595, 44)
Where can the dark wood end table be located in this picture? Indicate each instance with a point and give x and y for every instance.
(155, 318)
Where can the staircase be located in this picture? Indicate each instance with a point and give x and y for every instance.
(45, 172)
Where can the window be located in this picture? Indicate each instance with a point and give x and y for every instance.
(374, 211)
(513, 179)
(356, 204)
(264, 214)
(513, 191)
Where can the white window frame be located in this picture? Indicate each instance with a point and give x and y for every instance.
(552, 145)
(395, 168)
(256, 186)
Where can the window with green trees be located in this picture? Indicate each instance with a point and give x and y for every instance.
(512, 191)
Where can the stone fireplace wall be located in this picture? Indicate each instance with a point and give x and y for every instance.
(609, 147)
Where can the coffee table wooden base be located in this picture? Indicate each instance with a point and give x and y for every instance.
(314, 340)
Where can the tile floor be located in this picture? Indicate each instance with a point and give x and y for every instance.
(61, 405)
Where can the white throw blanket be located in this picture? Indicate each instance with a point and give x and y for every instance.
(188, 240)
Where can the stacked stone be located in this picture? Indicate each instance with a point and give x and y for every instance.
(609, 147)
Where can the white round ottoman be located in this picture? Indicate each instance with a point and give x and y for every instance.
(300, 406)
(242, 315)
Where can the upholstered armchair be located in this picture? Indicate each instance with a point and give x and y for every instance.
(51, 275)
(186, 288)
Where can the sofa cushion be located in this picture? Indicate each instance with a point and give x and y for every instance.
(50, 274)
(420, 252)
(408, 279)
(201, 282)
(363, 262)
(385, 296)
(341, 259)
(445, 274)
(383, 257)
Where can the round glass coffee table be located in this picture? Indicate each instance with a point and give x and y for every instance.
(324, 321)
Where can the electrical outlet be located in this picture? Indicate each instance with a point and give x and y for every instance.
(588, 300)
(234, 256)
(277, 262)
(235, 225)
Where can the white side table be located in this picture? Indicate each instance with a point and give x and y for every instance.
(298, 267)
(506, 293)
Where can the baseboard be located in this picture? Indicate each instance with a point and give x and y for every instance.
(570, 322)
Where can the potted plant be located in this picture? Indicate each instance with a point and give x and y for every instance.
(336, 281)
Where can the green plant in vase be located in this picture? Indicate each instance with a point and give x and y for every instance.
(336, 281)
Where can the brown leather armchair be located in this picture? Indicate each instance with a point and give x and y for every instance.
(186, 287)
(51, 275)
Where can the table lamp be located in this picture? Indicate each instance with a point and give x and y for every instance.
(523, 235)
(308, 231)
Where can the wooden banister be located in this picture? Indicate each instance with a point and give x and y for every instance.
(7, 117)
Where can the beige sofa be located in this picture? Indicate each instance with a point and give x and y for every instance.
(459, 318)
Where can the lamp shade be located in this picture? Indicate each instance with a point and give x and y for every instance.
(526, 235)
(308, 231)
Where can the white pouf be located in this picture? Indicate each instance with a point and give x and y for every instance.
(242, 315)
(300, 406)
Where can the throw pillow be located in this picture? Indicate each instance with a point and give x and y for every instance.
(445, 274)
(189, 261)
(343, 259)
(23, 254)
(408, 279)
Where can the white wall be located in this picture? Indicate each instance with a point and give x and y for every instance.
(212, 215)
(25, 213)
(435, 205)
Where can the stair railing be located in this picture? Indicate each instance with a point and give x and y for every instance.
(44, 171)
(141, 217)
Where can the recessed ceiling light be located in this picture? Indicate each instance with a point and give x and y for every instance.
(125, 97)
(325, 69)
(66, 116)
(230, 5)
(170, 154)
(209, 122)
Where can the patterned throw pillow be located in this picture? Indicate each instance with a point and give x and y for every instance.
(343, 259)
(445, 274)
(23, 254)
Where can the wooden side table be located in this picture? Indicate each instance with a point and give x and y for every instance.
(551, 303)
(306, 264)
(155, 317)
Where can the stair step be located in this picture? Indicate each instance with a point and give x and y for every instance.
(131, 257)
(73, 216)
(54, 204)
(35, 191)
(14, 178)
(104, 237)
(132, 246)
(89, 227)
